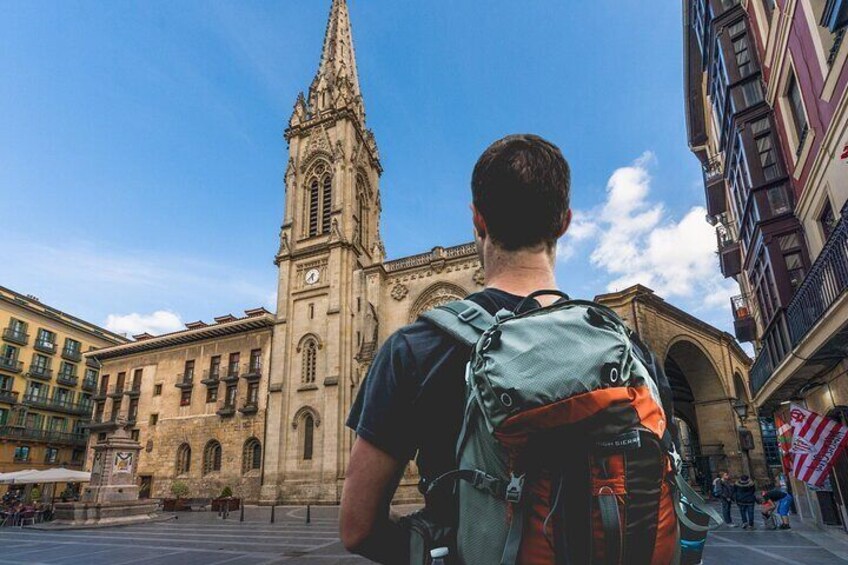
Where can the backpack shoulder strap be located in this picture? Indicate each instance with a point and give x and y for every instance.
(464, 320)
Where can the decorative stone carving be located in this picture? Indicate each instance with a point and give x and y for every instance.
(399, 292)
(479, 277)
(436, 295)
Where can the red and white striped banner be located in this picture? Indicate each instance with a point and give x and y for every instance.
(816, 443)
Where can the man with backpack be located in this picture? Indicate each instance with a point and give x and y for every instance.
(411, 403)
(522, 407)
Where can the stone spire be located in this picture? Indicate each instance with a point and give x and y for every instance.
(336, 85)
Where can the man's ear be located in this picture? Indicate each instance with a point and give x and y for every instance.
(566, 222)
(479, 222)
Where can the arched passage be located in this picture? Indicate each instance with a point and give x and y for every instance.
(703, 413)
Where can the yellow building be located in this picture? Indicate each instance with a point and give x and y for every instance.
(46, 385)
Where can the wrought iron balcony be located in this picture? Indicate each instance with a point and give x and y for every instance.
(11, 365)
(8, 396)
(824, 285)
(117, 391)
(826, 282)
(89, 384)
(211, 378)
(232, 374)
(226, 409)
(72, 354)
(252, 371)
(47, 436)
(67, 378)
(185, 380)
(15, 335)
(134, 390)
(44, 346)
(58, 405)
(39, 372)
(249, 407)
(714, 187)
(729, 250)
(744, 325)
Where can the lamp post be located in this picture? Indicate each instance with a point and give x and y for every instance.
(746, 438)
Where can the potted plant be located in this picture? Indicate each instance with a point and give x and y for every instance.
(35, 494)
(180, 490)
(226, 501)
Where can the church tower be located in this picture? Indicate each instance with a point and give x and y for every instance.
(329, 236)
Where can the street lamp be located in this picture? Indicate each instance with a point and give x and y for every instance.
(741, 409)
(746, 438)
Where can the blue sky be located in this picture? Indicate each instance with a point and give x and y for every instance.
(142, 157)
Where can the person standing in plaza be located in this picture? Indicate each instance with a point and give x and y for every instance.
(745, 495)
(725, 493)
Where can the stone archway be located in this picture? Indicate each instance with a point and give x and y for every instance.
(703, 412)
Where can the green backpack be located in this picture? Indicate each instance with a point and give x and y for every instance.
(564, 455)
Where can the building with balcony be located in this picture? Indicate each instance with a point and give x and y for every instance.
(184, 391)
(43, 406)
(767, 113)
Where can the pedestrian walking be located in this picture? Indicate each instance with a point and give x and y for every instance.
(725, 494)
(745, 495)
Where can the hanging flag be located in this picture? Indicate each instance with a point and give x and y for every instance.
(784, 442)
(816, 443)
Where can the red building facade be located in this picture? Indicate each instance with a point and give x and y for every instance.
(767, 111)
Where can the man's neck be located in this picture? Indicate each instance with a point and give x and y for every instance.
(520, 272)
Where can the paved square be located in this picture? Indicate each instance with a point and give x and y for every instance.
(204, 538)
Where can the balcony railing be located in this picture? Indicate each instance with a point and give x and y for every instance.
(15, 335)
(185, 380)
(826, 283)
(232, 373)
(252, 371)
(47, 436)
(8, 396)
(45, 346)
(249, 407)
(211, 378)
(39, 372)
(89, 384)
(11, 365)
(743, 322)
(72, 354)
(67, 378)
(59, 405)
(117, 391)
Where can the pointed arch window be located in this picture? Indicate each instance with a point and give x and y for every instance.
(252, 456)
(308, 436)
(212, 457)
(327, 204)
(183, 459)
(313, 208)
(310, 361)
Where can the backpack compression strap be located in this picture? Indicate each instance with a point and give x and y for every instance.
(465, 320)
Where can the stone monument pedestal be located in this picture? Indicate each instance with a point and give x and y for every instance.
(111, 498)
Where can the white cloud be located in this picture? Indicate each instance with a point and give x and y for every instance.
(636, 242)
(581, 229)
(159, 322)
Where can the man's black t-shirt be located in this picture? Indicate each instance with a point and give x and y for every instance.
(413, 397)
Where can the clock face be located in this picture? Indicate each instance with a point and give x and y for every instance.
(312, 276)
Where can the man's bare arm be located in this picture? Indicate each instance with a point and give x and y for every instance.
(371, 480)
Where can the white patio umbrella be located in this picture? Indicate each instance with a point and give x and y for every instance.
(15, 477)
(55, 475)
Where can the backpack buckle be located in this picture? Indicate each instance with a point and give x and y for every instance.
(514, 488)
(468, 314)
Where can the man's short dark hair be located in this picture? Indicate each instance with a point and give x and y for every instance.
(521, 186)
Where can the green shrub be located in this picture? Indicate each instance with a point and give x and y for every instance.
(226, 493)
(35, 493)
(179, 489)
